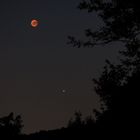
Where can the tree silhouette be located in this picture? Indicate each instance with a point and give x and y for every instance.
(118, 85)
(121, 21)
(77, 121)
(10, 126)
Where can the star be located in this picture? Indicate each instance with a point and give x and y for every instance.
(63, 91)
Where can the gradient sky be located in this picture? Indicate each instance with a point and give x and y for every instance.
(36, 64)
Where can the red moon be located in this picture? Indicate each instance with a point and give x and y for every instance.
(34, 23)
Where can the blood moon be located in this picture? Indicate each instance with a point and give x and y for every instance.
(34, 23)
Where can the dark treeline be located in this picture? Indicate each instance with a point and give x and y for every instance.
(11, 128)
(117, 86)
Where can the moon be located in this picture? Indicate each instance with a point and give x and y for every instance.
(34, 23)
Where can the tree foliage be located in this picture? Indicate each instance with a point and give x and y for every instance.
(121, 21)
(10, 126)
(118, 85)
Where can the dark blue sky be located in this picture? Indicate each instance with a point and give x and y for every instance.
(37, 64)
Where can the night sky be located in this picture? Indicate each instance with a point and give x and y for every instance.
(41, 77)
